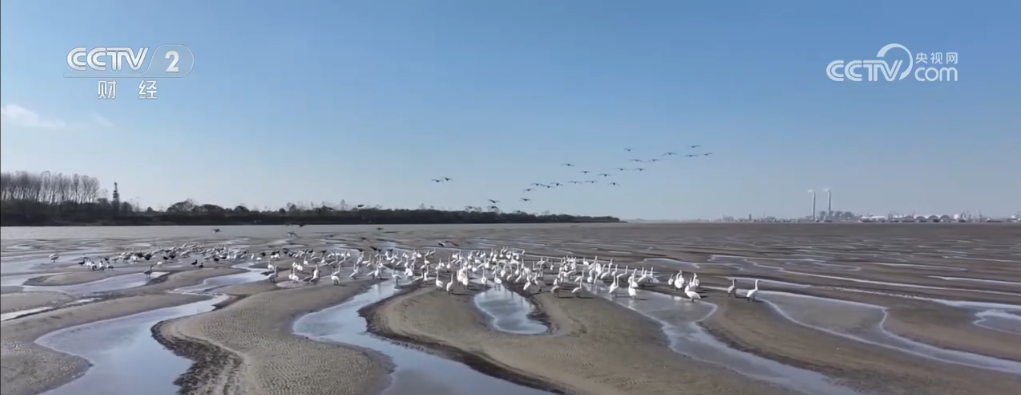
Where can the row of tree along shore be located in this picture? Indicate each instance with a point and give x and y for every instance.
(54, 199)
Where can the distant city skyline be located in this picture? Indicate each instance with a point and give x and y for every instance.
(374, 100)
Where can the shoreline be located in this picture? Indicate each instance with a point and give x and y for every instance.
(50, 368)
(376, 325)
(593, 345)
(223, 362)
(209, 363)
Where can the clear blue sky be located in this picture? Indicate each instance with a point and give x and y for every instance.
(367, 101)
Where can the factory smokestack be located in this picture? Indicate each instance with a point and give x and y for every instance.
(814, 215)
(829, 203)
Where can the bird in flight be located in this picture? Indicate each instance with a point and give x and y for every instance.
(640, 169)
(654, 160)
(604, 174)
(691, 155)
(568, 164)
(494, 201)
(528, 190)
(557, 184)
(629, 149)
(707, 154)
(437, 180)
(447, 179)
(615, 184)
(621, 169)
(574, 182)
(637, 160)
(525, 199)
(696, 146)
(590, 181)
(670, 154)
(585, 172)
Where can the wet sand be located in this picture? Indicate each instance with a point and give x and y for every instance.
(596, 348)
(259, 355)
(927, 277)
(29, 300)
(29, 368)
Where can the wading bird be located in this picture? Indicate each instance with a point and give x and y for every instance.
(754, 291)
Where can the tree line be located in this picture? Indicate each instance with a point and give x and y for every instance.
(50, 199)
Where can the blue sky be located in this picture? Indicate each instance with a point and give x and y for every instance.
(367, 101)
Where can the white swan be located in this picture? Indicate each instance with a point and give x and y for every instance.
(613, 287)
(754, 291)
(732, 291)
(690, 292)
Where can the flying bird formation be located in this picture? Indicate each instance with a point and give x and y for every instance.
(553, 185)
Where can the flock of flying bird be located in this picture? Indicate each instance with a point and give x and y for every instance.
(493, 267)
(588, 174)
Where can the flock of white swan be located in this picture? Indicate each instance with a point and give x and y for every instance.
(491, 267)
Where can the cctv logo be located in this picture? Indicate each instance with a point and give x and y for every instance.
(840, 70)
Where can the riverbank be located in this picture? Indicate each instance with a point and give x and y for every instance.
(29, 368)
(352, 217)
(247, 347)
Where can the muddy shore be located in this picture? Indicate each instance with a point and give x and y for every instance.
(595, 346)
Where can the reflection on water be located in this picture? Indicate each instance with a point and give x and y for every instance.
(508, 311)
(124, 356)
(999, 320)
(212, 283)
(113, 283)
(679, 318)
(21, 313)
(864, 322)
(342, 324)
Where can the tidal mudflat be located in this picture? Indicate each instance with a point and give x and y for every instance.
(841, 309)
